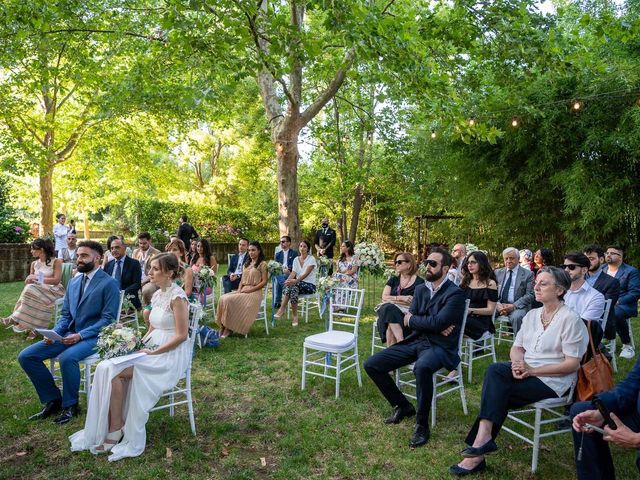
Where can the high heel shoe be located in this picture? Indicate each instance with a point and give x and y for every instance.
(278, 315)
(111, 440)
(7, 322)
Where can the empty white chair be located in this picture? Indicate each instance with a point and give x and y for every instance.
(476, 349)
(305, 303)
(341, 340)
(183, 388)
(503, 330)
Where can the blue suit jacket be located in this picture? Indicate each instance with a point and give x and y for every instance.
(233, 263)
(629, 279)
(623, 399)
(97, 308)
(290, 257)
(433, 314)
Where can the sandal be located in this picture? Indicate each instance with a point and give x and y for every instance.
(32, 335)
(7, 321)
(111, 440)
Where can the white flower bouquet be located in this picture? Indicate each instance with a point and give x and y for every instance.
(473, 248)
(323, 261)
(326, 284)
(389, 272)
(207, 277)
(116, 341)
(371, 257)
(274, 268)
(422, 270)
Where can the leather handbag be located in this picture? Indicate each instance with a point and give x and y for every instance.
(596, 375)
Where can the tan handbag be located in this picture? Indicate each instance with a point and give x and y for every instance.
(594, 376)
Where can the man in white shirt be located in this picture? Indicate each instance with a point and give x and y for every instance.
(459, 253)
(285, 256)
(60, 231)
(515, 289)
(585, 300)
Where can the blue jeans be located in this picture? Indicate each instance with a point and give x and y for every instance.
(32, 362)
(278, 287)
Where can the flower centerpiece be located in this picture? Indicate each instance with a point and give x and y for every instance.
(207, 277)
(274, 268)
(324, 263)
(389, 272)
(371, 257)
(116, 341)
(326, 284)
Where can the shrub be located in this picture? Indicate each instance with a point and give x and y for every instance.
(12, 229)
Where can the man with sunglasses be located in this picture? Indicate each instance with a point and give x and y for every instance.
(585, 300)
(435, 318)
(285, 257)
(627, 305)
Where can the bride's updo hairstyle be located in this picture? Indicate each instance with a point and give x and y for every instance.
(169, 263)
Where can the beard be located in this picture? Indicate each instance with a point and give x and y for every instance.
(433, 276)
(86, 267)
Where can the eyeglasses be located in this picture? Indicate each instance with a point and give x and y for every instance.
(612, 253)
(400, 262)
(431, 263)
(571, 266)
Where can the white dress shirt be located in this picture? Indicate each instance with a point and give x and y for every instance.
(586, 302)
(511, 294)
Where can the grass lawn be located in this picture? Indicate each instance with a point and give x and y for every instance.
(249, 407)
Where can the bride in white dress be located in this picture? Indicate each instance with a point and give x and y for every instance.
(122, 395)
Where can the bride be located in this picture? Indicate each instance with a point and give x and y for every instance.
(122, 395)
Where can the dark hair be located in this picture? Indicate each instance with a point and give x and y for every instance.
(260, 259)
(206, 252)
(245, 239)
(144, 236)
(169, 263)
(594, 248)
(179, 244)
(184, 218)
(286, 237)
(578, 258)
(307, 243)
(93, 245)
(111, 239)
(485, 271)
(447, 259)
(60, 215)
(413, 267)
(547, 256)
(46, 245)
(350, 251)
(616, 247)
(560, 278)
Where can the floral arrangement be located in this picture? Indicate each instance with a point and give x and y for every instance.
(371, 257)
(206, 276)
(323, 262)
(422, 270)
(274, 268)
(389, 272)
(326, 284)
(116, 341)
(473, 248)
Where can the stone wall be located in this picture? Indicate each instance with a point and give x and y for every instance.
(15, 259)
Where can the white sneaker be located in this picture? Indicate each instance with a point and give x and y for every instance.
(627, 352)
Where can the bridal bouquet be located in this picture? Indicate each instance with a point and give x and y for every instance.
(371, 257)
(116, 341)
(206, 276)
(274, 268)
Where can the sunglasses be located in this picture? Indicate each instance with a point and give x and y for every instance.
(431, 263)
(571, 266)
(400, 262)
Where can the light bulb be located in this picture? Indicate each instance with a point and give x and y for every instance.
(433, 134)
(577, 106)
(514, 122)
(472, 122)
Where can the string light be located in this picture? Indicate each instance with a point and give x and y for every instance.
(514, 122)
(577, 105)
(472, 122)
(433, 133)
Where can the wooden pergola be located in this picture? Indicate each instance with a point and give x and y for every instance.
(426, 218)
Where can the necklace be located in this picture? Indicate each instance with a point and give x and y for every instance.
(406, 284)
(547, 320)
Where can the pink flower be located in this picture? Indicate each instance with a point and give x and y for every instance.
(19, 230)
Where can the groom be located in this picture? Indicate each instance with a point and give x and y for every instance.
(91, 303)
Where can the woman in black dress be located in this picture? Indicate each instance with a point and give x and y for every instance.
(396, 298)
(480, 286)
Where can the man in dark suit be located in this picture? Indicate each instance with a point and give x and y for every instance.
(231, 281)
(607, 285)
(90, 303)
(325, 239)
(126, 271)
(186, 232)
(435, 316)
(285, 257)
(515, 289)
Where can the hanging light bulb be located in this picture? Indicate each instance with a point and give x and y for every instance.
(433, 133)
(472, 122)
(514, 122)
(577, 105)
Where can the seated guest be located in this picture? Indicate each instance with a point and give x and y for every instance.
(231, 281)
(545, 358)
(301, 281)
(434, 317)
(458, 253)
(91, 303)
(627, 305)
(123, 394)
(347, 266)
(68, 253)
(396, 299)
(126, 271)
(237, 310)
(144, 253)
(594, 461)
(203, 257)
(185, 280)
(543, 257)
(285, 257)
(605, 284)
(526, 259)
(585, 300)
(34, 308)
(480, 286)
(107, 257)
(515, 289)
(193, 250)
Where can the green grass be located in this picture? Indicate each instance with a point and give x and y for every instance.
(249, 406)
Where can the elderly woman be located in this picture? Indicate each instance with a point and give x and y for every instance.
(302, 280)
(545, 357)
(34, 308)
(396, 299)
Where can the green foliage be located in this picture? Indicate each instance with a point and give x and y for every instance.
(12, 228)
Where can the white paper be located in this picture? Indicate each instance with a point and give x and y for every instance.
(127, 358)
(50, 334)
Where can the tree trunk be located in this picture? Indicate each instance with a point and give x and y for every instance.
(85, 221)
(355, 212)
(287, 156)
(46, 200)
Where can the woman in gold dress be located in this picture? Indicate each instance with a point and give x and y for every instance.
(237, 310)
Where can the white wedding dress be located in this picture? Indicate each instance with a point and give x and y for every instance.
(152, 375)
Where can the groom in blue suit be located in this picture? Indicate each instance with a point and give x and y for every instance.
(91, 303)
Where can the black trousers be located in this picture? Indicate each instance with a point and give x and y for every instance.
(621, 325)
(228, 285)
(501, 393)
(427, 363)
(596, 462)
